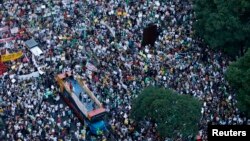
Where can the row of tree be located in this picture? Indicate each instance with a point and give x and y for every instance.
(238, 75)
(225, 25)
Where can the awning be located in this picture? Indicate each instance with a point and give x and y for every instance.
(31, 43)
(36, 51)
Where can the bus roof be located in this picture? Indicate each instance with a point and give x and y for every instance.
(79, 87)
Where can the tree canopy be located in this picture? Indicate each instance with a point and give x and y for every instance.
(224, 24)
(172, 112)
(238, 75)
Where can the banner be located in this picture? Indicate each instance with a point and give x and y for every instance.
(2, 29)
(29, 76)
(6, 39)
(11, 57)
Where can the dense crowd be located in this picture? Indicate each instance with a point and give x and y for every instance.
(72, 34)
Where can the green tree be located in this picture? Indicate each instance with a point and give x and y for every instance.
(238, 75)
(224, 24)
(172, 112)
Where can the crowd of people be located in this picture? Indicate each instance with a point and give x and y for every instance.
(106, 34)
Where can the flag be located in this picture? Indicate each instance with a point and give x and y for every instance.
(6, 39)
(47, 93)
(91, 67)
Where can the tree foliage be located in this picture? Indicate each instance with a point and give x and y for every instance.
(238, 75)
(224, 24)
(173, 113)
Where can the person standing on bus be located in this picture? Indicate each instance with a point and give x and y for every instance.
(85, 96)
(80, 97)
(71, 86)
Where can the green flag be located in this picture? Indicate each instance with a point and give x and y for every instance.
(73, 42)
(127, 1)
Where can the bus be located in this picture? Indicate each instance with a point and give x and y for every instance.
(83, 102)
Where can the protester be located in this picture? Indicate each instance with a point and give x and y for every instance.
(101, 41)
